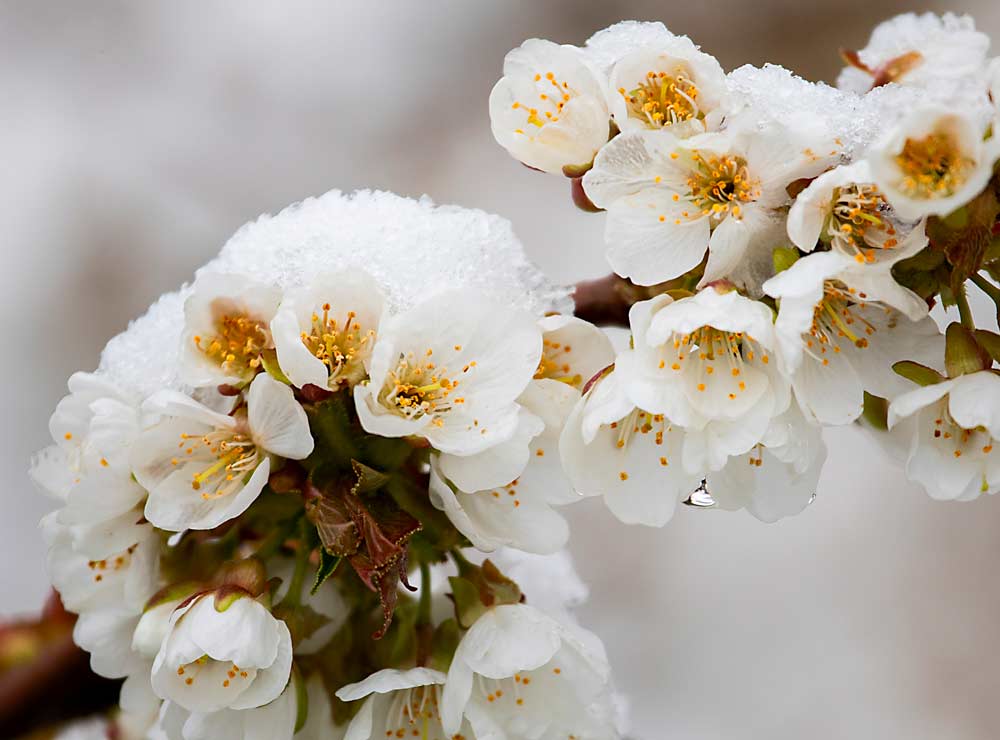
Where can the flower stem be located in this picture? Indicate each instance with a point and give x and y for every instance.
(294, 595)
(964, 311)
(424, 605)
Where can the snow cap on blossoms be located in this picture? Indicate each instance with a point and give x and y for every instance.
(924, 50)
(411, 248)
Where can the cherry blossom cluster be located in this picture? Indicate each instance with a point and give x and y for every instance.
(261, 466)
(781, 244)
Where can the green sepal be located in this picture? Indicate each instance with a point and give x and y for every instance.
(784, 257)
(269, 359)
(173, 592)
(917, 373)
(875, 412)
(328, 565)
(227, 595)
(443, 645)
(468, 606)
(989, 341)
(962, 353)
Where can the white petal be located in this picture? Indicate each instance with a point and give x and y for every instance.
(277, 422)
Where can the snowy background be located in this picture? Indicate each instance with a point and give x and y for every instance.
(136, 137)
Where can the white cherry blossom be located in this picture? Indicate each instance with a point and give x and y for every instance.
(96, 573)
(778, 477)
(549, 110)
(840, 330)
(669, 84)
(671, 200)
(706, 362)
(845, 209)
(450, 371)
(955, 431)
(226, 327)
(632, 457)
(519, 673)
(327, 602)
(228, 654)
(324, 332)
(202, 467)
(273, 721)
(933, 162)
(399, 703)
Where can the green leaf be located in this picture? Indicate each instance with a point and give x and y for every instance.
(919, 374)
(962, 353)
(369, 479)
(335, 435)
(328, 565)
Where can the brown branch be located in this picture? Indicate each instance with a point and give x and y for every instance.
(607, 300)
(44, 677)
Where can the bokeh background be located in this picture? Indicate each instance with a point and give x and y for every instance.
(136, 137)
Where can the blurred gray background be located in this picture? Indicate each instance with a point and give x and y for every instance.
(136, 137)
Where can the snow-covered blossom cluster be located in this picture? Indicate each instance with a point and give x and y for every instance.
(367, 391)
(780, 243)
(355, 390)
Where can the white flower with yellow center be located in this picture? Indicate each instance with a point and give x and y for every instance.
(549, 110)
(632, 457)
(845, 209)
(324, 333)
(92, 429)
(223, 653)
(840, 330)
(450, 371)
(671, 84)
(519, 673)
(275, 720)
(401, 704)
(919, 50)
(778, 476)
(956, 425)
(932, 163)
(504, 495)
(226, 327)
(706, 362)
(669, 200)
(203, 468)
(92, 571)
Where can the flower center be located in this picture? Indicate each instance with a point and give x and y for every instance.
(933, 166)
(958, 441)
(861, 222)
(663, 99)
(237, 342)
(719, 184)
(554, 364)
(553, 94)
(415, 713)
(228, 457)
(230, 678)
(717, 359)
(111, 564)
(341, 347)
(419, 387)
(836, 317)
